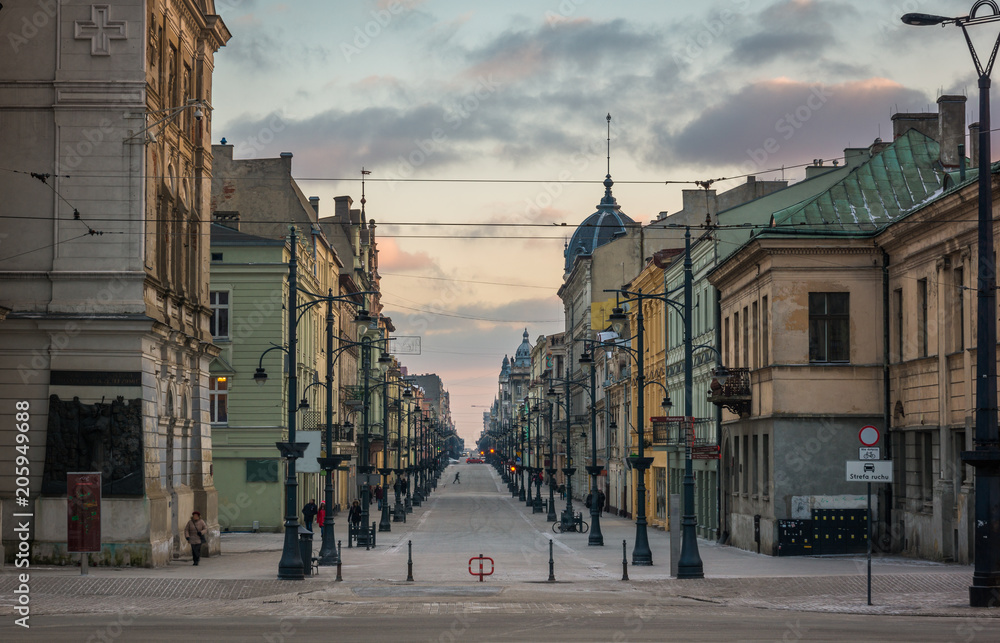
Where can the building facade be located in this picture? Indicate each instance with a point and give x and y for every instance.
(107, 110)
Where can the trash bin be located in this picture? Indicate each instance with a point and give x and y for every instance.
(306, 550)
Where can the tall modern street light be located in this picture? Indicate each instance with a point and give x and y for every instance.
(689, 564)
(985, 588)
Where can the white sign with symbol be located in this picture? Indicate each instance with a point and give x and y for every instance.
(869, 471)
(869, 453)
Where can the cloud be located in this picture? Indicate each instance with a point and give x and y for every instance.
(392, 257)
(791, 29)
(803, 120)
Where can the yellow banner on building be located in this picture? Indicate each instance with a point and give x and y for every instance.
(599, 313)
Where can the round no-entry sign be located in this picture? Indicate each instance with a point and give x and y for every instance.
(868, 436)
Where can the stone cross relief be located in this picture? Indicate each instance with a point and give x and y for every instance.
(100, 29)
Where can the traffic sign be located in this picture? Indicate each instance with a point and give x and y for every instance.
(868, 436)
(869, 453)
(869, 471)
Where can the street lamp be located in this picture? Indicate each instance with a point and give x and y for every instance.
(364, 323)
(985, 588)
(689, 564)
(567, 521)
(641, 553)
(596, 537)
(551, 469)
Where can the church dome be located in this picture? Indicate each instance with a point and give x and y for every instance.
(603, 226)
(522, 358)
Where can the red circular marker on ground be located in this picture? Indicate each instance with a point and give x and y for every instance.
(868, 436)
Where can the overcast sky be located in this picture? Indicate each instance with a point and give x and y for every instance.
(518, 91)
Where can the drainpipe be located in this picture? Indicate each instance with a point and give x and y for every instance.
(886, 505)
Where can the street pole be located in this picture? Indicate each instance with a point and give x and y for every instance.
(689, 564)
(551, 470)
(385, 524)
(290, 564)
(568, 470)
(328, 554)
(596, 538)
(398, 510)
(365, 468)
(641, 553)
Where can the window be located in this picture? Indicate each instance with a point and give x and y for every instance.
(745, 362)
(922, 318)
(745, 464)
(218, 399)
(725, 341)
(262, 470)
(736, 339)
(660, 488)
(755, 459)
(754, 329)
(958, 310)
(829, 327)
(766, 463)
(925, 455)
(765, 332)
(898, 296)
(219, 300)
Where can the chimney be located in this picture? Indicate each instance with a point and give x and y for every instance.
(974, 144)
(314, 202)
(926, 124)
(951, 128)
(343, 209)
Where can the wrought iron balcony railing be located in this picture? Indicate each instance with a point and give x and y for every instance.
(734, 393)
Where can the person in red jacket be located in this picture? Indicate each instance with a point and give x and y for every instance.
(321, 517)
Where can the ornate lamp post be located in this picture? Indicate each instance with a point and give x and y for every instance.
(596, 537)
(290, 566)
(551, 470)
(985, 588)
(568, 517)
(689, 564)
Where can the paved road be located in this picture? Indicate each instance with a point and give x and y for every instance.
(743, 597)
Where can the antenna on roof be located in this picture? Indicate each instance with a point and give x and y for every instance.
(364, 173)
(609, 144)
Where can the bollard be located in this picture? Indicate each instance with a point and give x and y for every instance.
(552, 564)
(340, 559)
(624, 562)
(409, 562)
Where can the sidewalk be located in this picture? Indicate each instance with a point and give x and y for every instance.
(243, 579)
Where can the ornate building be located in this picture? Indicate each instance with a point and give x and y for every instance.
(106, 126)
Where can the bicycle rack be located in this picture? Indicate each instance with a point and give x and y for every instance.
(481, 573)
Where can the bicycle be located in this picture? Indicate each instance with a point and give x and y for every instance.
(579, 526)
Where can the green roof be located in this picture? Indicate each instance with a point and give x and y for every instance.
(903, 176)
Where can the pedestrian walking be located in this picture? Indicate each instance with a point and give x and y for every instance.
(309, 512)
(456, 480)
(321, 517)
(194, 532)
(378, 495)
(355, 513)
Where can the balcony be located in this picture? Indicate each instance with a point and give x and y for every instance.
(734, 393)
(671, 430)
